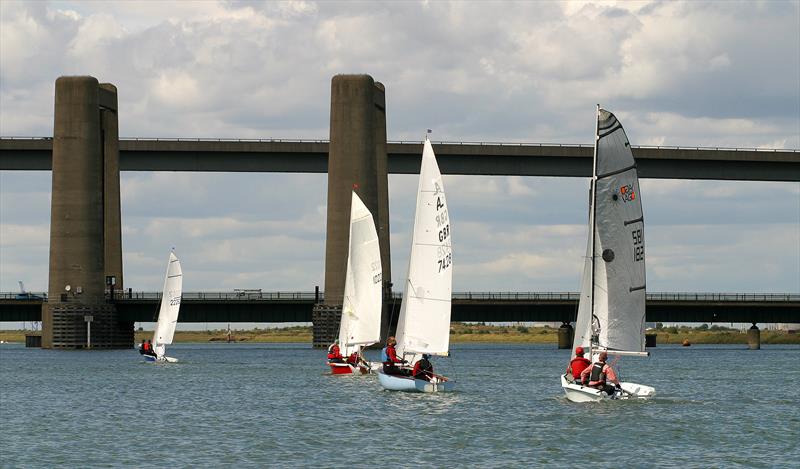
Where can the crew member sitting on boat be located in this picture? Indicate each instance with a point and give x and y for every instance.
(354, 359)
(389, 358)
(600, 374)
(147, 348)
(423, 368)
(334, 355)
(578, 364)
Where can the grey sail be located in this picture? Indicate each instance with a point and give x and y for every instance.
(615, 313)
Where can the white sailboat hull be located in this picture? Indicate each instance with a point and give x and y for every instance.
(409, 384)
(150, 358)
(577, 392)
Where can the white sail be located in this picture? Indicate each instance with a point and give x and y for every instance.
(583, 330)
(424, 322)
(361, 309)
(616, 298)
(170, 305)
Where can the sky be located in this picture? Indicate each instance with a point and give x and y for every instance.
(714, 74)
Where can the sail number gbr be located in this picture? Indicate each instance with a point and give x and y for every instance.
(638, 245)
(443, 254)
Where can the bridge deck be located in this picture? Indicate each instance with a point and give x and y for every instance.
(468, 306)
(470, 158)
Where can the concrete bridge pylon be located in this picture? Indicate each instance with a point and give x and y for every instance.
(357, 160)
(85, 221)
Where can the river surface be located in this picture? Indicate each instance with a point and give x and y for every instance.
(274, 405)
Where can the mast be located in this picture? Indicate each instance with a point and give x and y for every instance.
(593, 201)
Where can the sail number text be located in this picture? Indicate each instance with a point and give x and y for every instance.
(445, 257)
(638, 246)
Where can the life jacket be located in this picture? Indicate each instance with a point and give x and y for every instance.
(333, 352)
(385, 355)
(577, 365)
(596, 376)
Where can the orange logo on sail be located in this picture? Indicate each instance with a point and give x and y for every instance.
(627, 193)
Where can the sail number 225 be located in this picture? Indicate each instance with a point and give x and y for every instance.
(638, 246)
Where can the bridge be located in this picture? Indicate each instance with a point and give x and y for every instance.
(86, 156)
(466, 158)
(278, 307)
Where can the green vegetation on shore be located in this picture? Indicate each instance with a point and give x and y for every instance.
(468, 333)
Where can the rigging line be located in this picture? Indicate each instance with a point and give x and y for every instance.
(429, 298)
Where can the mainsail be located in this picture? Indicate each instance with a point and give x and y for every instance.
(170, 305)
(361, 309)
(424, 322)
(612, 302)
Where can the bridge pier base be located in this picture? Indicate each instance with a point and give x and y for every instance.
(325, 321)
(566, 334)
(650, 340)
(754, 337)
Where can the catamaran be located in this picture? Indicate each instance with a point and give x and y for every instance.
(168, 313)
(360, 325)
(424, 323)
(611, 310)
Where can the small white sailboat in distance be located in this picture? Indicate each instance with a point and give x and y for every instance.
(423, 327)
(168, 312)
(611, 311)
(360, 325)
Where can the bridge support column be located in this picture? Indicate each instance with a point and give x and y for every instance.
(356, 160)
(650, 340)
(754, 337)
(85, 234)
(566, 334)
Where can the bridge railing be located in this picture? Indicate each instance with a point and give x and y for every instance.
(487, 296)
(417, 142)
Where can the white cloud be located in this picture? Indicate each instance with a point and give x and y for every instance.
(676, 73)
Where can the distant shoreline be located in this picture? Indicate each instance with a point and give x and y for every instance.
(460, 334)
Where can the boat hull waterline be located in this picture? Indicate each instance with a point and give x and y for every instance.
(152, 359)
(409, 384)
(347, 369)
(577, 392)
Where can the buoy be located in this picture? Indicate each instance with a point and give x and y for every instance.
(686, 343)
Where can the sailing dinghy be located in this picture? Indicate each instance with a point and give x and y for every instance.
(611, 310)
(360, 325)
(424, 323)
(168, 313)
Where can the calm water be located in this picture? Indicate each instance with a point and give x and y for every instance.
(273, 405)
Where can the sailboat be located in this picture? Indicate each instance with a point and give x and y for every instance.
(168, 313)
(611, 310)
(424, 323)
(360, 325)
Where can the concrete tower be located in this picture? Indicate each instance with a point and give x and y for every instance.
(85, 168)
(356, 158)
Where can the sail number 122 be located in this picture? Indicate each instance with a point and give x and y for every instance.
(638, 246)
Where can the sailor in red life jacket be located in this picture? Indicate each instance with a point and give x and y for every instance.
(578, 364)
(334, 355)
(389, 358)
(600, 374)
(423, 368)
